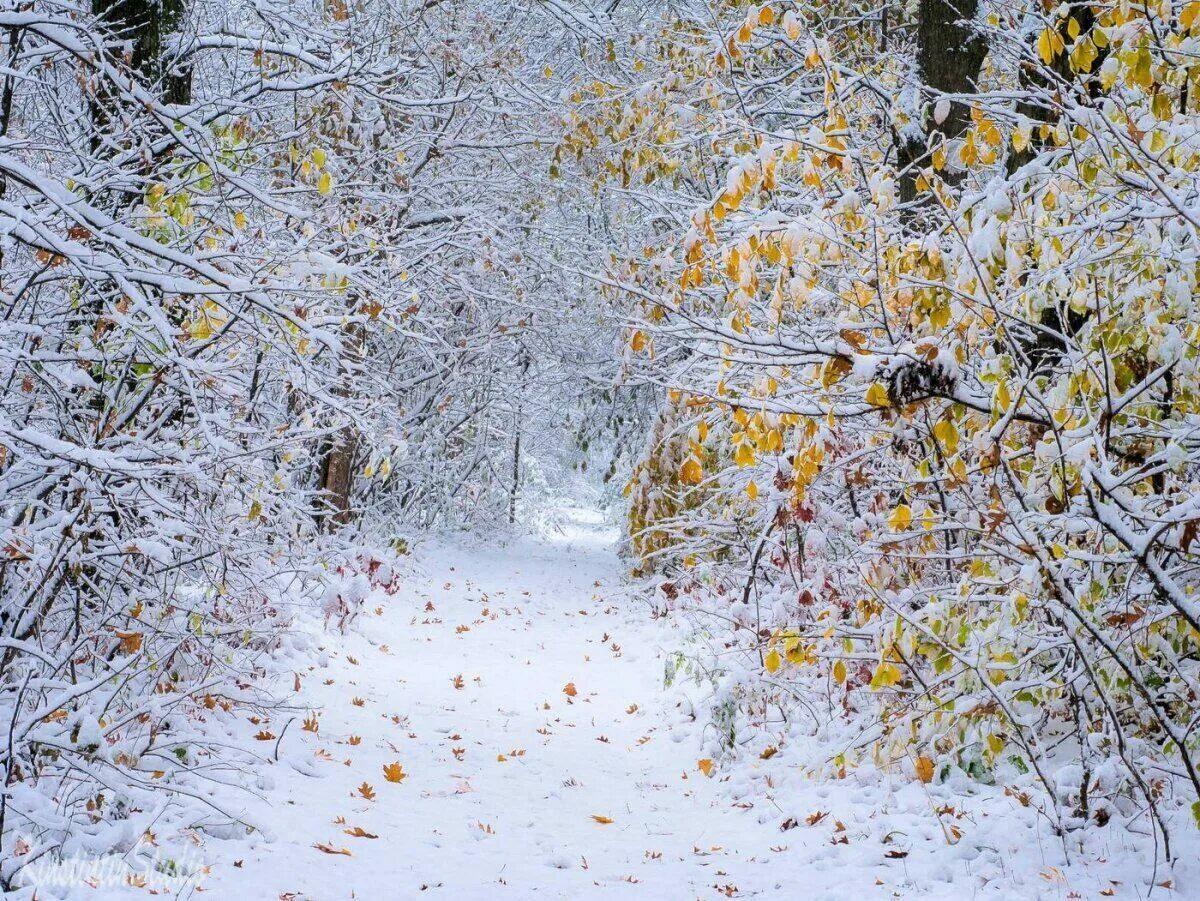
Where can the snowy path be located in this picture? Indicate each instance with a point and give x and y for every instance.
(506, 771)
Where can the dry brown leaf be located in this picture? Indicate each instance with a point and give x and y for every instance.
(329, 849)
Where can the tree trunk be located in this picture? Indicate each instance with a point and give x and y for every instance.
(949, 56)
(336, 475)
(516, 471)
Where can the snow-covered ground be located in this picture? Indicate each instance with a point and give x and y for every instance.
(520, 690)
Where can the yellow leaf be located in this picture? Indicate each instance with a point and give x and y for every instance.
(766, 16)
(691, 473)
(1021, 137)
(744, 455)
(752, 490)
(1003, 398)
(239, 219)
(1049, 45)
(947, 433)
(877, 395)
(900, 518)
(325, 183)
(1189, 15)
(839, 672)
(773, 661)
(705, 766)
(886, 674)
(394, 772)
(791, 25)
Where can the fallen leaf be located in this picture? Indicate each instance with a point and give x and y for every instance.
(602, 819)
(705, 766)
(329, 849)
(569, 690)
(359, 832)
(393, 772)
(366, 791)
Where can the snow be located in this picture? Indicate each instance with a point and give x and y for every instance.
(506, 772)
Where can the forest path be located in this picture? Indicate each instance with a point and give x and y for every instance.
(507, 771)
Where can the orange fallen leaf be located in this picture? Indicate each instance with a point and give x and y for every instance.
(602, 819)
(394, 772)
(329, 849)
(359, 832)
(264, 735)
(569, 690)
(366, 791)
(705, 765)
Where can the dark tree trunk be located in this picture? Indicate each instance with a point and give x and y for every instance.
(336, 472)
(1035, 80)
(949, 56)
